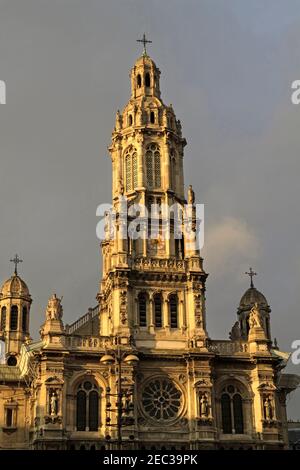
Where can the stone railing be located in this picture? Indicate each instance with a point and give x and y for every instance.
(159, 264)
(228, 347)
(87, 343)
(93, 312)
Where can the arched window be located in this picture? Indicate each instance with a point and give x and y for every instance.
(158, 311)
(153, 166)
(173, 306)
(238, 414)
(147, 79)
(139, 81)
(131, 169)
(3, 319)
(232, 411)
(152, 117)
(130, 120)
(24, 319)
(14, 318)
(172, 170)
(87, 407)
(226, 414)
(142, 301)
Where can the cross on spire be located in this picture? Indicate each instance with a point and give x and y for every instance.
(16, 260)
(144, 41)
(251, 274)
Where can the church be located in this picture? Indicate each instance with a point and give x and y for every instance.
(140, 370)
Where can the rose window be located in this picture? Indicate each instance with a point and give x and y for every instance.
(161, 400)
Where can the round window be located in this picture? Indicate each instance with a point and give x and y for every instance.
(161, 400)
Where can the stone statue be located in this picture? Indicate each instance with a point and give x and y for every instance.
(54, 309)
(254, 317)
(118, 121)
(235, 333)
(204, 407)
(268, 409)
(53, 404)
(191, 195)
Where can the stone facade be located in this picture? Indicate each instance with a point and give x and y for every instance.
(140, 370)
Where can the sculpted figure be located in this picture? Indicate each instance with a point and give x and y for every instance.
(191, 195)
(254, 317)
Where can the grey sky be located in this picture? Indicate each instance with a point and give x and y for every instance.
(227, 68)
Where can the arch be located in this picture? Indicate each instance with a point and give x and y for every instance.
(87, 405)
(3, 319)
(232, 408)
(12, 361)
(142, 309)
(147, 80)
(157, 301)
(139, 81)
(14, 315)
(153, 166)
(24, 319)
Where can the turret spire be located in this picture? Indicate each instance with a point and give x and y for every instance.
(251, 274)
(144, 41)
(16, 260)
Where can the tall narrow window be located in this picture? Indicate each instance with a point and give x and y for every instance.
(232, 411)
(153, 166)
(131, 173)
(9, 418)
(81, 410)
(130, 120)
(93, 410)
(152, 117)
(226, 414)
(3, 319)
(142, 309)
(87, 412)
(238, 414)
(158, 311)
(139, 81)
(173, 171)
(173, 304)
(24, 319)
(14, 318)
(147, 79)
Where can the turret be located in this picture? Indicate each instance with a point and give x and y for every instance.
(251, 298)
(15, 302)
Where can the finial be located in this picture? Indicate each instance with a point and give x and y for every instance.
(16, 260)
(144, 41)
(251, 274)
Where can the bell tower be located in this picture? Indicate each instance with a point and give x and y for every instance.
(15, 302)
(153, 286)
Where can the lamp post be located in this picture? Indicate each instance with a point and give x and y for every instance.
(119, 357)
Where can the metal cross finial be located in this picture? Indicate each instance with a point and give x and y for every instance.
(144, 41)
(251, 274)
(16, 260)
